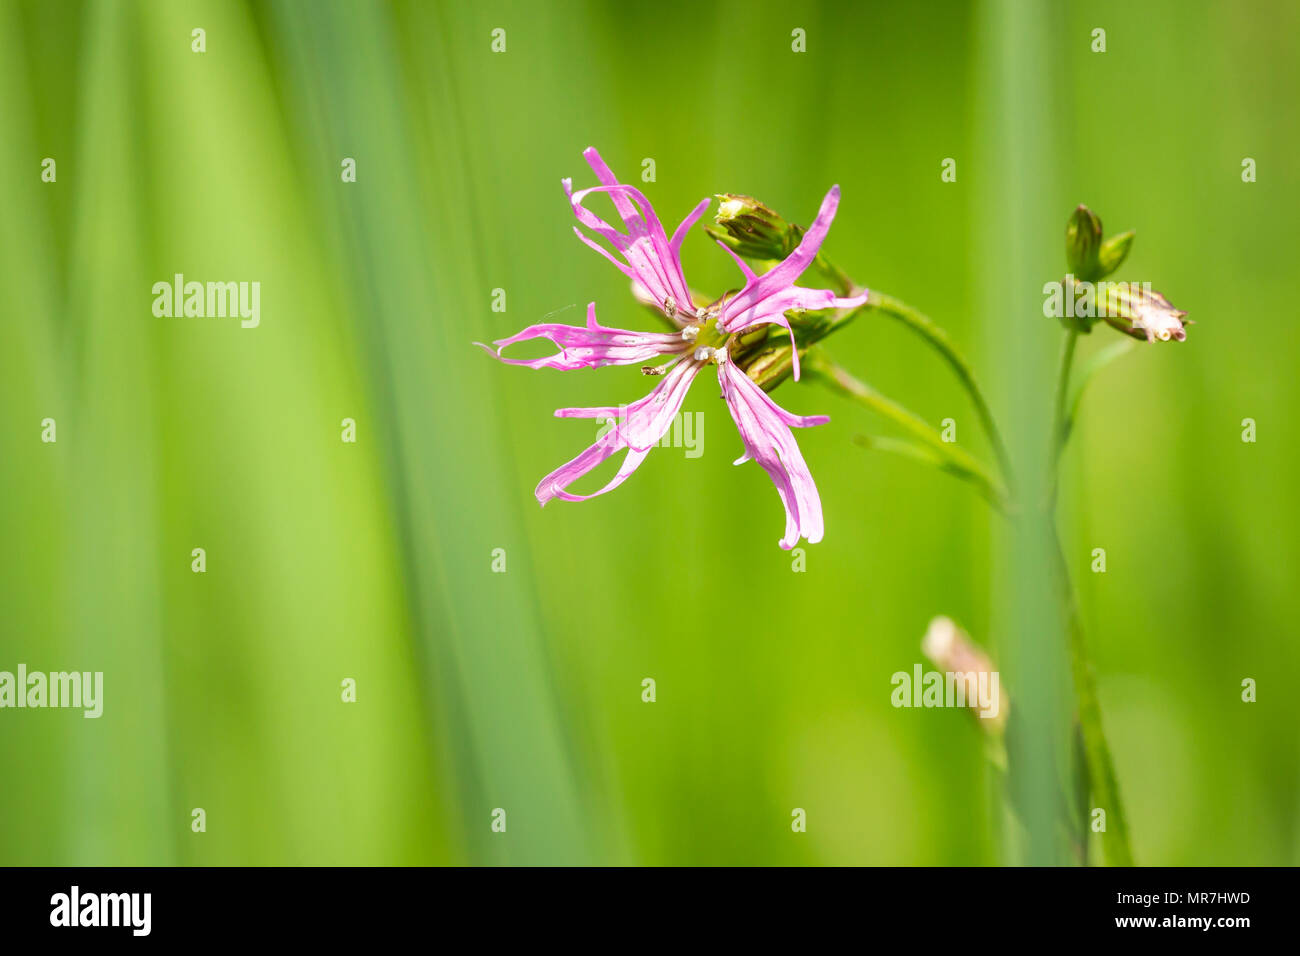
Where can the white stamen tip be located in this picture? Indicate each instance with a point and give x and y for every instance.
(730, 209)
(703, 353)
(690, 332)
(720, 355)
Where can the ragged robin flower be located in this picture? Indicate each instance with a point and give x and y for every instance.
(708, 333)
(1132, 308)
(1140, 311)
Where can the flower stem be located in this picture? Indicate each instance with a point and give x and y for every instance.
(936, 338)
(1100, 765)
(950, 457)
(1100, 769)
(1099, 360)
(1060, 424)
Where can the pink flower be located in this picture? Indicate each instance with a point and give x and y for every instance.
(651, 260)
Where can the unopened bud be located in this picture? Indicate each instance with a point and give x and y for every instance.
(1083, 243)
(951, 650)
(1114, 251)
(769, 367)
(752, 230)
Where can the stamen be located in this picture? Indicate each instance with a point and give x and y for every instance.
(720, 355)
(670, 307)
(690, 332)
(703, 353)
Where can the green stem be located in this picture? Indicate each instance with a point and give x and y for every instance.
(1099, 360)
(936, 338)
(921, 324)
(837, 276)
(1097, 756)
(1060, 424)
(949, 456)
(1101, 767)
(770, 368)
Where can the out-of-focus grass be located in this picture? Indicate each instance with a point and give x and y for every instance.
(523, 690)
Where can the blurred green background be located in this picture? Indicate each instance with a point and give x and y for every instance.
(372, 561)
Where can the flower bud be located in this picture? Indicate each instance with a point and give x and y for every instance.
(769, 366)
(745, 343)
(752, 230)
(1114, 251)
(1083, 243)
(1140, 311)
(951, 650)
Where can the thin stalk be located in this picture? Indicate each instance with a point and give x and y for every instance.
(1060, 426)
(923, 453)
(1097, 756)
(1101, 766)
(1085, 375)
(937, 339)
(952, 457)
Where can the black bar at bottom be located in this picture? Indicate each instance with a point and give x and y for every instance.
(975, 907)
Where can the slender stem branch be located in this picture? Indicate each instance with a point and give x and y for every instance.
(982, 484)
(949, 456)
(1060, 424)
(1085, 375)
(938, 339)
(837, 276)
(921, 324)
(1100, 766)
(776, 363)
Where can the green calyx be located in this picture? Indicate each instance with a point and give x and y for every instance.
(1089, 257)
(753, 230)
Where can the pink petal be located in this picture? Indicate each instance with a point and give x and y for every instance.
(637, 284)
(791, 297)
(592, 347)
(783, 274)
(766, 298)
(647, 249)
(692, 217)
(639, 428)
(744, 266)
(607, 178)
(772, 311)
(653, 261)
(765, 432)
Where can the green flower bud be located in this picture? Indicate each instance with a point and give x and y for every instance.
(770, 366)
(1090, 258)
(1083, 243)
(744, 343)
(752, 230)
(1114, 251)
